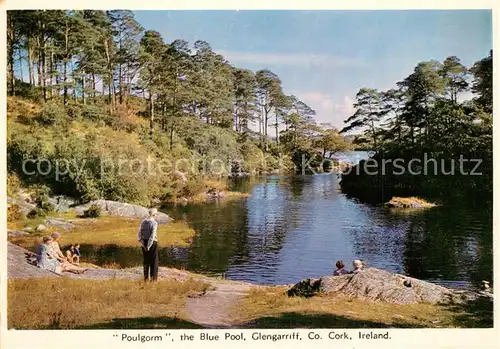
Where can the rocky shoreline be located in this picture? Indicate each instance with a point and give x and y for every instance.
(370, 284)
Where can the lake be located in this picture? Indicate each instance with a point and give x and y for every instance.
(292, 228)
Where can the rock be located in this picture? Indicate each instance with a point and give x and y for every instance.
(28, 229)
(26, 198)
(41, 228)
(181, 176)
(62, 203)
(59, 224)
(222, 195)
(115, 208)
(16, 233)
(379, 285)
(23, 205)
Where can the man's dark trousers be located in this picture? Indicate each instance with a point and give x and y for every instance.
(150, 260)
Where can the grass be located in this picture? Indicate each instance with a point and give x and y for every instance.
(121, 231)
(409, 202)
(64, 303)
(272, 308)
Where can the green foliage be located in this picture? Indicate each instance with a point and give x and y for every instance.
(14, 213)
(158, 100)
(52, 114)
(425, 120)
(93, 112)
(93, 211)
(13, 185)
(192, 188)
(36, 212)
(41, 198)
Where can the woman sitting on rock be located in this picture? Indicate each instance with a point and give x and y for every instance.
(340, 269)
(357, 265)
(56, 251)
(45, 258)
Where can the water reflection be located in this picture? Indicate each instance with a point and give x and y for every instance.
(297, 227)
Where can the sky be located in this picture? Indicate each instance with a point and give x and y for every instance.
(325, 57)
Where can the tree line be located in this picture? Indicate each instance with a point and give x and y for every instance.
(426, 113)
(106, 57)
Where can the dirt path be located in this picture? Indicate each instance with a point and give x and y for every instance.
(212, 309)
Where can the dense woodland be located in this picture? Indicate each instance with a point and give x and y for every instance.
(427, 117)
(93, 86)
(101, 72)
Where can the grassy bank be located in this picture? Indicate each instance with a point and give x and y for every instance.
(121, 231)
(272, 308)
(64, 303)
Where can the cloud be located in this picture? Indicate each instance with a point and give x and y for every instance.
(289, 59)
(328, 109)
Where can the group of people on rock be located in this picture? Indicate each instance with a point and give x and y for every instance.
(341, 270)
(50, 257)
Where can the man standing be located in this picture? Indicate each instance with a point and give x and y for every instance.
(149, 240)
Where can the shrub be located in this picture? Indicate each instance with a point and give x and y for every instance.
(13, 184)
(52, 114)
(28, 91)
(36, 212)
(93, 211)
(93, 112)
(42, 199)
(193, 188)
(74, 111)
(14, 213)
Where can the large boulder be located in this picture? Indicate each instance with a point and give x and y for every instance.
(52, 222)
(23, 204)
(115, 208)
(379, 285)
(17, 233)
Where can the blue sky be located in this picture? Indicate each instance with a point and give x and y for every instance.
(325, 57)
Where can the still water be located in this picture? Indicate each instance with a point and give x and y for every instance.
(292, 228)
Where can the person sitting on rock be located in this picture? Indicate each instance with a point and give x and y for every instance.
(76, 254)
(65, 264)
(357, 265)
(340, 269)
(45, 259)
(70, 252)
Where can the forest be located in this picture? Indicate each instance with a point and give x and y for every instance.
(93, 86)
(441, 112)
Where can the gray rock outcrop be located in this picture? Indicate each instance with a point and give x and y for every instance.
(115, 208)
(40, 228)
(379, 285)
(17, 233)
(52, 222)
(62, 203)
(23, 204)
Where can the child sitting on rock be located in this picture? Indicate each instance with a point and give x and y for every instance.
(76, 254)
(340, 269)
(357, 265)
(69, 253)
